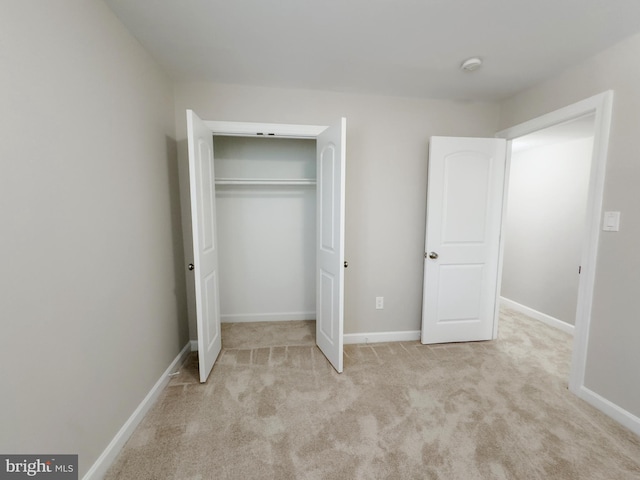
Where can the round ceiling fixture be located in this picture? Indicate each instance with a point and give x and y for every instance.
(471, 64)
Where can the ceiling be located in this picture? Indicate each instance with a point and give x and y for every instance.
(390, 47)
(582, 127)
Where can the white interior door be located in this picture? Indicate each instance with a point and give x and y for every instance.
(205, 242)
(330, 217)
(464, 216)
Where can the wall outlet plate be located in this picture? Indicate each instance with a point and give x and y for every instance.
(379, 303)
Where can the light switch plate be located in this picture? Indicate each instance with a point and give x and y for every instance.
(611, 222)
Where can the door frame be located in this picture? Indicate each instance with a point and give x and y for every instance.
(601, 105)
(280, 130)
(250, 129)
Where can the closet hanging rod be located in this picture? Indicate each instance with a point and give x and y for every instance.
(265, 181)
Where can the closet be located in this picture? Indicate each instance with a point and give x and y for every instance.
(267, 225)
(266, 217)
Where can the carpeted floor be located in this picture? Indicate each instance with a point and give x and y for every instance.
(277, 410)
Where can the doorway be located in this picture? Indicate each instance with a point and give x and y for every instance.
(544, 221)
(266, 214)
(330, 158)
(600, 106)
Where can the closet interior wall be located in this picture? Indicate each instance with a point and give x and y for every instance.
(266, 217)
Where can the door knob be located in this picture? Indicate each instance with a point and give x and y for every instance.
(433, 255)
(346, 264)
(190, 266)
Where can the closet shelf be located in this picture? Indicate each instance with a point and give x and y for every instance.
(265, 181)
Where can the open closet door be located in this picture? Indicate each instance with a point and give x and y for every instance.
(462, 246)
(205, 242)
(330, 241)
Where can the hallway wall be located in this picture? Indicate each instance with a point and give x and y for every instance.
(544, 227)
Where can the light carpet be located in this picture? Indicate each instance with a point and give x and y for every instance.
(484, 410)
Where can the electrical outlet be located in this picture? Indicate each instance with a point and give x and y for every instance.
(379, 303)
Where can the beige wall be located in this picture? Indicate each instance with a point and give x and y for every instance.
(387, 147)
(92, 289)
(613, 354)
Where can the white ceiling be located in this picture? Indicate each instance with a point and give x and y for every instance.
(581, 127)
(390, 47)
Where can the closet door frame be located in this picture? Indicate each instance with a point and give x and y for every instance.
(277, 130)
(280, 130)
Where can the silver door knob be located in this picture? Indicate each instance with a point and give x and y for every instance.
(433, 255)
(190, 266)
(346, 264)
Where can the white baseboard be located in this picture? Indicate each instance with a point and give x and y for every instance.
(379, 337)
(353, 338)
(267, 317)
(609, 408)
(102, 464)
(543, 317)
